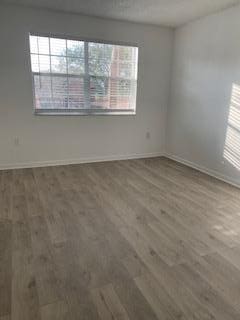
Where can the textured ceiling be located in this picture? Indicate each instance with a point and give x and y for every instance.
(160, 12)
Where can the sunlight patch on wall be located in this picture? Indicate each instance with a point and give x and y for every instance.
(232, 143)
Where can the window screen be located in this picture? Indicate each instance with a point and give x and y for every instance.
(83, 77)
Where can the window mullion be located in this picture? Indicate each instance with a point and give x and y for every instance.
(50, 61)
(87, 76)
(67, 75)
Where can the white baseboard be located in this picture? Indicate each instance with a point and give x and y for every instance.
(35, 164)
(210, 172)
(190, 164)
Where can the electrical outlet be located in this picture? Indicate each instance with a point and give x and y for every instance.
(16, 141)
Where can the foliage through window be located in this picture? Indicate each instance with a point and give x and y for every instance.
(83, 77)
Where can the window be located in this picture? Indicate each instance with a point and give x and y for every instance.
(83, 77)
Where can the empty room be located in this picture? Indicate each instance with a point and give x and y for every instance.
(119, 160)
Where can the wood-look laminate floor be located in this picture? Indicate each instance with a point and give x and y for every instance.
(140, 240)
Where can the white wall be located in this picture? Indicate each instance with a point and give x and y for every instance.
(203, 120)
(50, 139)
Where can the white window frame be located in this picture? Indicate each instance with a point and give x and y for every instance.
(81, 111)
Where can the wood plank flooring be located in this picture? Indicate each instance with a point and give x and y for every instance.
(125, 240)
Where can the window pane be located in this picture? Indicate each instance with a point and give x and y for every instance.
(42, 92)
(120, 96)
(100, 59)
(75, 65)
(100, 67)
(58, 64)
(111, 93)
(75, 48)
(60, 92)
(44, 63)
(58, 46)
(59, 85)
(125, 70)
(35, 63)
(33, 44)
(125, 53)
(100, 51)
(99, 92)
(76, 93)
(43, 45)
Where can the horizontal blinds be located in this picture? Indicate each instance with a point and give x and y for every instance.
(69, 74)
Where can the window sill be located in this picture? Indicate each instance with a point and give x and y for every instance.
(84, 113)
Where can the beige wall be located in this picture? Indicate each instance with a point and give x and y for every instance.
(203, 126)
(62, 139)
